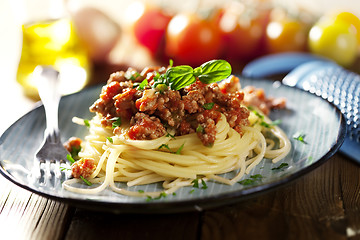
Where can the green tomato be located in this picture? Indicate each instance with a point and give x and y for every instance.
(335, 40)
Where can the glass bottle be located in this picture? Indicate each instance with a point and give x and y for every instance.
(49, 38)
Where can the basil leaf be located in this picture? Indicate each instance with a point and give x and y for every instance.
(180, 76)
(214, 71)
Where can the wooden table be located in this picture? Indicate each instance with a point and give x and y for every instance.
(324, 204)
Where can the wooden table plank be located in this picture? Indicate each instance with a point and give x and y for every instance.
(312, 207)
(350, 184)
(25, 215)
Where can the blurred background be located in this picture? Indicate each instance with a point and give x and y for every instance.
(86, 40)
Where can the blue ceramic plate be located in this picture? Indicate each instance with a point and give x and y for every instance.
(320, 121)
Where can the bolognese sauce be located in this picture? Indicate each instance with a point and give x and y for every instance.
(150, 111)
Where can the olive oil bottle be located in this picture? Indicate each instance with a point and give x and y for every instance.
(54, 43)
(51, 41)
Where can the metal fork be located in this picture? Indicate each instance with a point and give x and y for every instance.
(51, 154)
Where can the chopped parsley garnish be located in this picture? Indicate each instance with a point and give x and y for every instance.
(86, 181)
(131, 75)
(86, 122)
(161, 88)
(247, 181)
(110, 139)
(200, 129)
(179, 150)
(300, 137)
(269, 125)
(168, 148)
(208, 106)
(64, 169)
(143, 84)
(164, 146)
(259, 115)
(252, 180)
(262, 121)
(161, 195)
(195, 183)
(281, 166)
(204, 186)
(70, 158)
(170, 135)
(75, 151)
(116, 123)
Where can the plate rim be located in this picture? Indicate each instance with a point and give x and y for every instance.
(184, 205)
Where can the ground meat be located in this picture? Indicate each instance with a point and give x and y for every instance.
(148, 101)
(149, 109)
(150, 72)
(193, 101)
(185, 128)
(105, 104)
(124, 104)
(144, 127)
(117, 96)
(73, 146)
(168, 106)
(83, 167)
(207, 121)
(256, 97)
(117, 77)
(230, 85)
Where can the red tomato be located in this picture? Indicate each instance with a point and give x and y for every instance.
(242, 35)
(150, 27)
(191, 40)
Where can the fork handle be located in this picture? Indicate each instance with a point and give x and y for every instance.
(48, 87)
